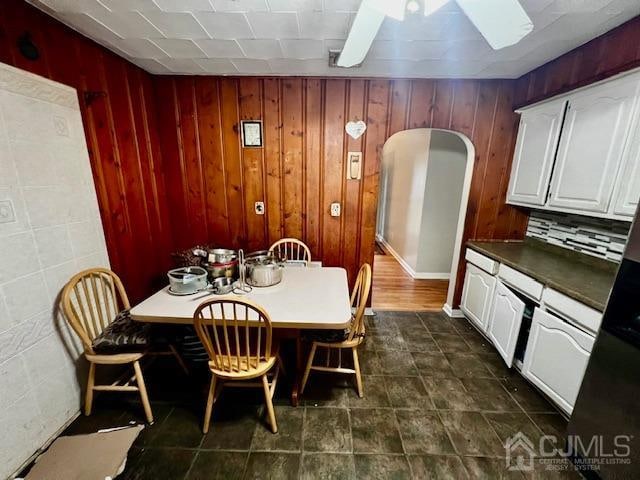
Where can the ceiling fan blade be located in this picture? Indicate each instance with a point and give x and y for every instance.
(391, 8)
(363, 31)
(431, 6)
(501, 22)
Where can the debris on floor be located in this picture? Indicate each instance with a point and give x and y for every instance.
(97, 455)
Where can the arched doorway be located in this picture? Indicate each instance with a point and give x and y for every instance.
(424, 190)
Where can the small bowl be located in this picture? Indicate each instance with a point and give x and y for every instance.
(222, 255)
(222, 285)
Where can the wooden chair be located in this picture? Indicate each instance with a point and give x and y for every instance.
(353, 338)
(91, 300)
(237, 335)
(291, 249)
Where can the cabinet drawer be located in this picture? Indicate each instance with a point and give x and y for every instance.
(576, 312)
(480, 261)
(521, 282)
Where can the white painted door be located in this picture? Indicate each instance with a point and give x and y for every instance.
(628, 191)
(556, 358)
(476, 295)
(505, 320)
(591, 146)
(536, 146)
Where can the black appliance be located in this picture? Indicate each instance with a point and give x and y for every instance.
(605, 425)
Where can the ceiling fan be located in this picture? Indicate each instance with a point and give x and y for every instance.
(501, 22)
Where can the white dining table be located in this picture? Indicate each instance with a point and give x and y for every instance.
(306, 298)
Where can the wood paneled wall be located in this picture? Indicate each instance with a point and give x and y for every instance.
(121, 136)
(614, 52)
(301, 169)
(203, 186)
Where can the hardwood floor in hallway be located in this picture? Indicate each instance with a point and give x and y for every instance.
(394, 289)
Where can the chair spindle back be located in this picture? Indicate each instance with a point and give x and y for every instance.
(91, 300)
(235, 333)
(359, 297)
(291, 249)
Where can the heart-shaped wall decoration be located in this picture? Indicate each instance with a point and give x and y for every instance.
(355, 129)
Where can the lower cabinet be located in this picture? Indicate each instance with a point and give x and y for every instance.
(553, 351)
(556, 358)
(476, 295)
(505, 320)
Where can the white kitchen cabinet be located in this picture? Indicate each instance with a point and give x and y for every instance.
(535, 151)
(628, 191)
(505, 319)
(556, 357)
(476, 295)
(596, 126)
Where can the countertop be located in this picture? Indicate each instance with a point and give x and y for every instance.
(582, 277)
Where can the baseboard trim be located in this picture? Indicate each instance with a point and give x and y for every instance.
(431, 276)
(407, 268)
(453, 313)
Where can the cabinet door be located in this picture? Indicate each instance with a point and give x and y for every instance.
(536, 146)
(504, 321)
(629, 180)
(476, 295)
(556, 358)
(591, 145)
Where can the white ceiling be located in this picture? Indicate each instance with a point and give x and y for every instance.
(292, 37)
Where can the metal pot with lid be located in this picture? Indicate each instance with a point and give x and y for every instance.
(263, 270)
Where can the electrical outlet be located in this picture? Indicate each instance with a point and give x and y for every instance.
(259, 207)
(335, 209)
(7, 215)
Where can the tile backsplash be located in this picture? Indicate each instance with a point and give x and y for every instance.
(49, 229)
(598, 237)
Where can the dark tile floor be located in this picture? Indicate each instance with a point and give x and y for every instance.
(439, 403)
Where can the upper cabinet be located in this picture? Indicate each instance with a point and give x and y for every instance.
(593, 139)
(583, 155)
(628, 191)
(535, 152)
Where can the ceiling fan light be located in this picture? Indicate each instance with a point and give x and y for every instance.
(430, 6)
(391, 8)
(413, 6)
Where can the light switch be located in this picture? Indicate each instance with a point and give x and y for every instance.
(354, 165)
(259, 207)
(7, 215)
(335, 209)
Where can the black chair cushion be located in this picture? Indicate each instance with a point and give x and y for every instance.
(123, 335)
(327, 336)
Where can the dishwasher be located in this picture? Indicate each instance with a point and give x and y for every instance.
(510, 322)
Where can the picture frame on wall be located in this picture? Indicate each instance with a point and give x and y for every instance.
(251, 131)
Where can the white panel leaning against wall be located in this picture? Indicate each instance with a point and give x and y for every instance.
(50, 228)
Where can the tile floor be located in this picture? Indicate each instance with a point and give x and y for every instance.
(439, 403)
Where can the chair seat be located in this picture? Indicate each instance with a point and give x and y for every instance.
(242, 372)
(114, 358)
